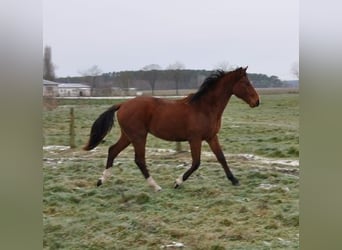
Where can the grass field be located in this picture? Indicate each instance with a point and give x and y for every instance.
(207, 212)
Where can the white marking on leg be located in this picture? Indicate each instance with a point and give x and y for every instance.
(153, 184)
(179, 180)
(105, 175)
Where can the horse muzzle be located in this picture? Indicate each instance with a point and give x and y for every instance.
(254, 104)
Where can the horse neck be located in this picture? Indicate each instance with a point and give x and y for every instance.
(215, 101)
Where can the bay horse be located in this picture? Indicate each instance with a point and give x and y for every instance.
(195, 118)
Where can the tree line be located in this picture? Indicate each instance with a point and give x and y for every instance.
(168, 79)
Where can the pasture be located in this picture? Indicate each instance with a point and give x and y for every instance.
(206, 212)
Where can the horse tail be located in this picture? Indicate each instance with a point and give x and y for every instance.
(101, 127)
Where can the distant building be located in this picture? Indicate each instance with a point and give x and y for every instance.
(55, 89)
(73, 89)
(50, 89)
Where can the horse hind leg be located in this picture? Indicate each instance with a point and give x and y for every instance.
(113, 152)
(139, 159)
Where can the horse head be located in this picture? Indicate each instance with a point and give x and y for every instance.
(244, 89)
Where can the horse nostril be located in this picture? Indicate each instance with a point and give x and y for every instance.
(257, 103)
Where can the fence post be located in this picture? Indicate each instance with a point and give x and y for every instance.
(178, 147)
(72, 129)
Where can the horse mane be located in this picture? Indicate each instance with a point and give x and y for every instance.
(208, 84)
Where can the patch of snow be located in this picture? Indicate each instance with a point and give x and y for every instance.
(208, 154)
(159, 151)
(183, 165)
(266, 243)
(55, 148)
(267, 186)
(173, 244)
(287, 162)
(284, 242)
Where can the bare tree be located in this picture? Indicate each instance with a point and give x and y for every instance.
(124, 79)
(49, 69)
(151, 74)
(176, 73)
(90, 76)
(295, 69)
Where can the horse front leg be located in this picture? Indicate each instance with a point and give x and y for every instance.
(216, 148)
(195, 147)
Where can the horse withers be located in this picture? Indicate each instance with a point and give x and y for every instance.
(195, 118)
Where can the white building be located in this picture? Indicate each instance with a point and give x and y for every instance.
(73, 89)
(50, 89)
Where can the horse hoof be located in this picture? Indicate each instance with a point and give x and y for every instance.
(99, 183)
(176, 185)
(236, 182)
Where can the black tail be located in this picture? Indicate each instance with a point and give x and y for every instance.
(101, 127)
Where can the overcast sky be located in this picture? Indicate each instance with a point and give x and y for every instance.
(128, 35)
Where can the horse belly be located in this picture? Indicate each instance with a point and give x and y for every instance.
(170, 127)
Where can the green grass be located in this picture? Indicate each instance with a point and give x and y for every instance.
(270, 130)
(207, 212)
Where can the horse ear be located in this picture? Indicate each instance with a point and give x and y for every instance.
(245, 69)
